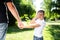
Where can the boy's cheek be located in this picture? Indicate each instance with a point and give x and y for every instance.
(38, 17)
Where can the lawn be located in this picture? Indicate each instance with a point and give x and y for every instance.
(49, 33)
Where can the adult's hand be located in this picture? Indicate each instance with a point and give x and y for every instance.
(20, 25)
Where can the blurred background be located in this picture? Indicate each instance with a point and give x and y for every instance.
(27, 10)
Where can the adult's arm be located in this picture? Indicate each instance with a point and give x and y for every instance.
(14, 12)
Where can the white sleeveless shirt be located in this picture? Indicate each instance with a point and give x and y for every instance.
(38, 30)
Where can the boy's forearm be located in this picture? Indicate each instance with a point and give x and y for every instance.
(32, 26)
(13, 10)
(28, 26)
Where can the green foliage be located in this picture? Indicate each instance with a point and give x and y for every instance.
(52, 9)
(47, 8)
(24, 7)
(56, 31)
(56, 4)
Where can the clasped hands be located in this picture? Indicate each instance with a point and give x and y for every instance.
(21, 25)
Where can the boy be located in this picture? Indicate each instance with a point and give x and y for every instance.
(38, 24)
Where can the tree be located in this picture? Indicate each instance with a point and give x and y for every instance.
(56, 8)
(47, 8)
(52, 9)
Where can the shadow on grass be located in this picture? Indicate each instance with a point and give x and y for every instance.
(15, 29)
(55, 31)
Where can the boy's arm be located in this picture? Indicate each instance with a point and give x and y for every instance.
(33, 20)
(32, 26)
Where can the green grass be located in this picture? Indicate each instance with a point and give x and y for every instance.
(49, 33)
(27, 35)
(14, 33)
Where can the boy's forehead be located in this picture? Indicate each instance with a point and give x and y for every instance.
(40, 13)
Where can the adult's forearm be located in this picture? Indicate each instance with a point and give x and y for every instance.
(13, 10)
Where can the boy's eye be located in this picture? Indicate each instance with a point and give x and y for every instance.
(40, 14)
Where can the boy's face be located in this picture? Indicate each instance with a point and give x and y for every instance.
(40, 15)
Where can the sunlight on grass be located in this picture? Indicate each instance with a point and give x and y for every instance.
(26, 35)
